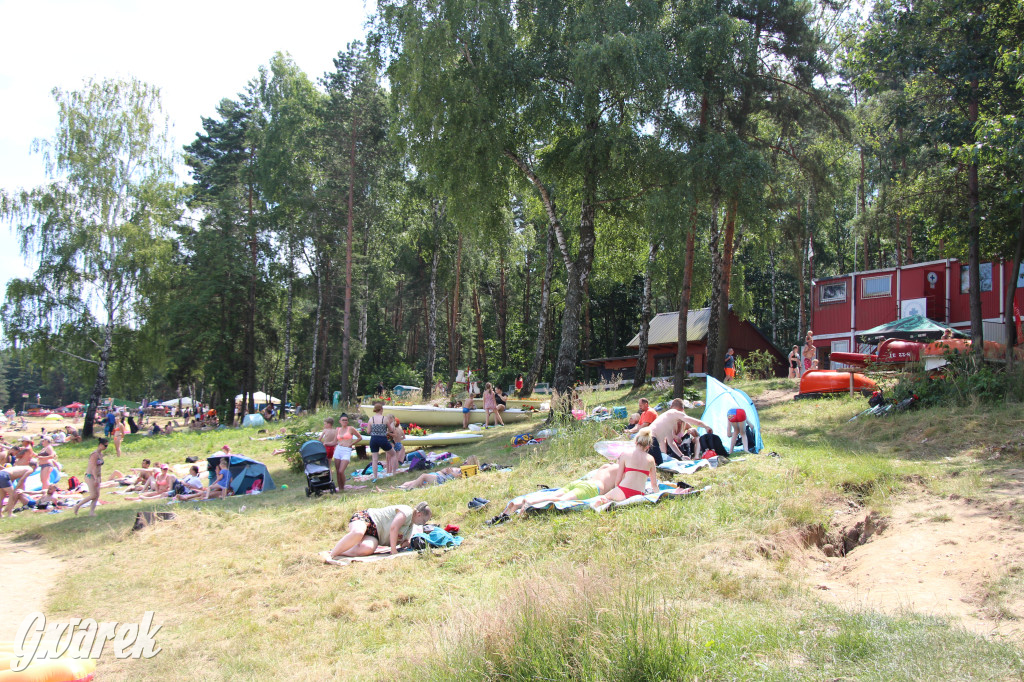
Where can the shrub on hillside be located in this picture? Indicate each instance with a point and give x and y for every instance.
(758, 365)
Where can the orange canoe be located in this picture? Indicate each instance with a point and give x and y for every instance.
(831, 381)
(993, 350)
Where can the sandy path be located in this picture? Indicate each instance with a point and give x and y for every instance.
(31, 572)
(938, 556)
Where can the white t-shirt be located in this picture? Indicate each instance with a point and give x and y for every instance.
(192, 483)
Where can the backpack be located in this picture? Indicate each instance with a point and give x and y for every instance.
(418, 462)
(73, 482)
(751, 439)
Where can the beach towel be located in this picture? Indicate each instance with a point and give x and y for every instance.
(382, 554)
(667, 491)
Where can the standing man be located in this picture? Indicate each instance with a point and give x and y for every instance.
(730, 365)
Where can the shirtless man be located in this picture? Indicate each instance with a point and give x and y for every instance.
(663, 429)
(348, 438)
(11, 479)
(593, 484)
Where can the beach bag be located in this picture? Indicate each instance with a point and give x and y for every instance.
(417, 462)
(751, 439)
(73, 482)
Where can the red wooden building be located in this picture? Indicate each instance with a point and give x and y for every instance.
(845, 306)
(663, 344)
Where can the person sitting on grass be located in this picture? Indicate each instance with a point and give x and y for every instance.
(73, 436)
(663, 431)
(11, 479)
(436, 478)
(143, 476)
(370, 528)
(222, 486)
(633, 470)
(162, 485)
(591, 485)
(192, 486)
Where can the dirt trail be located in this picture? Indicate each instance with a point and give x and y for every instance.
(31, 572)
(936, 556)
(774, 397)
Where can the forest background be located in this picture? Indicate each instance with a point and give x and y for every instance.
(510, 187)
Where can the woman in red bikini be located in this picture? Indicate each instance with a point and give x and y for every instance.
(635, 469)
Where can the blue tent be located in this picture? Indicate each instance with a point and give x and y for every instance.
(719, 400)
(254, 420)
(244, 472)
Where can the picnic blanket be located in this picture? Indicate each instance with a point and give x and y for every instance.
(667, 491)
(382, 554)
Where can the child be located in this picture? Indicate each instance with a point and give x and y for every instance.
(397, 454)
(329, 437)
(491, 406)
(467, 407)
(220, 487)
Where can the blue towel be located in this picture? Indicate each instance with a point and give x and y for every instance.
(439, 537)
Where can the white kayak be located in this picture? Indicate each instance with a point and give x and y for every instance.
(435, 440)
(428, 415)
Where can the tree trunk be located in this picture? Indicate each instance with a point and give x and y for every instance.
(502, 311)
(530, 380)
(715, 363)
(1011, 293)
(679, 382)
(453, 319)
(728, 251)
(363, 310)
(481, 352)
(288, 330)
(314, 376)
(428, 373)
(974, 238)
(526, 296)
(100, 387)
(346, 331)
(640, 376)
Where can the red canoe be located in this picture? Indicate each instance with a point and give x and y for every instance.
(993, 350)
(890, 351)
(831, 381)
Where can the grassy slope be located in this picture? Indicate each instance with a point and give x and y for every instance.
(242, 594)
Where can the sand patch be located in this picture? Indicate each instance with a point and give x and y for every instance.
(30, 572)
(934, 556)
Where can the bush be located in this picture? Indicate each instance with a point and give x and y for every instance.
(963, 381)
(758, 365)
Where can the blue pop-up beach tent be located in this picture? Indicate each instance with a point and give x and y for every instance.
(244, 472)
(719, 400)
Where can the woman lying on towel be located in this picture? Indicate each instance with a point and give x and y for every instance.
(594, 484)
(442, 476)
(633, 471)
(371, 528)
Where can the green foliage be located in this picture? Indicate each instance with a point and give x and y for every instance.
(758, 365)
(963, 381)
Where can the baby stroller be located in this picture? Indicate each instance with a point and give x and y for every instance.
(317, 468)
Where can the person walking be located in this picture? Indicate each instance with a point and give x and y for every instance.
(730, 365)
(93, 477)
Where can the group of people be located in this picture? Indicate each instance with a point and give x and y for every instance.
(801, 359)
(494, 403)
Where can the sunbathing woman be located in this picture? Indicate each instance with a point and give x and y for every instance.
(594, 484)
(163, 482)
(370, 528)
(633, 470)
(10, 479)
(93, 473)
(437, 478)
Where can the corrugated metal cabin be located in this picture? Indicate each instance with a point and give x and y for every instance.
(663, 344)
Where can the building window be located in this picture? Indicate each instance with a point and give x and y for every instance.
(833, 292)
(986, 278)
(664, 366)
(875, 287)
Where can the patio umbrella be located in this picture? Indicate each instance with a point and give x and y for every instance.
(913, 328)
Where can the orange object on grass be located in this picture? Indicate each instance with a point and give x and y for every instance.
(831, 381)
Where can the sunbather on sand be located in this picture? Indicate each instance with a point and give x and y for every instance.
(437, 478)
(594, 484)
(370, 528)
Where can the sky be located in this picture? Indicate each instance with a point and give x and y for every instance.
(196, 52)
